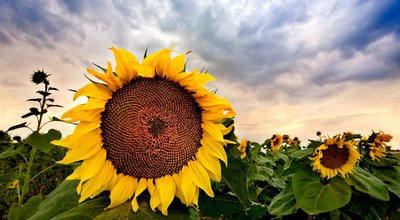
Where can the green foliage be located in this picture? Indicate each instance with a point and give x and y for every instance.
(315, 197)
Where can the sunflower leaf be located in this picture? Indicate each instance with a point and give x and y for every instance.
(366, 182)
(21, 212)
(42, 141)
(22, 125)
(35, 100)
(284, 203)
(391, 177)
(315, 197)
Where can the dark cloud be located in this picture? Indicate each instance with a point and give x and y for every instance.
(33, 22)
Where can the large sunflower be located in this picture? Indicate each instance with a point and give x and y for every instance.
(149, 126)
(335, 156)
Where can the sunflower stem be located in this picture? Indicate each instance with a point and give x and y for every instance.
(27, 179)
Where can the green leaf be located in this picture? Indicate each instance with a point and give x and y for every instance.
(314, 197)
(22, 125)
(60, 200)
(6, 178)
(87, 210)
(284, 203)
(391, 177)
(264, 159)
(300, 154)
(10, 152)
(35, 100)
(22, 212)
(314, 144)
(42, 141)
(124, 211)
(367, 183)
(366, 207)
(50, 105)
(235, 177)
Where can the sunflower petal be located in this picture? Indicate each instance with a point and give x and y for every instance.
(200, 177)
(167, 192)
(93, 90)
(211, 163)
(214, 148)
(122, 190)
(145, 71)
(187, 186)
(140, 188)
(125, 62)
(213, 130)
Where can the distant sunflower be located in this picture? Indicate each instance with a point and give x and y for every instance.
(376, 153)
(335, 156)
(244, 143)
(377, 149)
(276, 142)
(150, 126)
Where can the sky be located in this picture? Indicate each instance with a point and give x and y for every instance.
(290, 66)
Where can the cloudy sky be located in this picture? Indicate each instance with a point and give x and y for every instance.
(289, 66)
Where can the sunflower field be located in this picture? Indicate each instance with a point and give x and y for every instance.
(152, 142)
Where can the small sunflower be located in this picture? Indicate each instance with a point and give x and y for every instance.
(40, 77)
(244, 143)
(295, 142)
(152, 126)
(335, 156)
(376, 153)
(377, 149)
(276, 142)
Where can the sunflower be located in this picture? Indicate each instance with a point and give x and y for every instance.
(335, 156)
(276, 142)
(244, 143)
(376, 153)
(150, 125)
(377, 149)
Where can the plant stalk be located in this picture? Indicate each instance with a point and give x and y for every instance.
(33, 151)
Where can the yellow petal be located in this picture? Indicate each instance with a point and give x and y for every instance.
(66, 142)
(75, 175)
(140, 188)
(99, 182)
(93, 90)
(92, 165)
(187, 185)
(88, 145)
(177, 65)
(155, 199)
(122, 190)
(114, 79)
(167, 192)
(152, 59)
(125, 62)
(214, 148)
(102, 77)
(225, 130)
(211, 163)
(145, 71)
(83, 128)
(200, 177)
(213, 130)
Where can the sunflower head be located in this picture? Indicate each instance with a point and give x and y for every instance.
(334, 157)
(376, 153)
(40, 77)
(244, 143)
(377, 145)
(295, 142)
(276, 142)
(147, 126)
